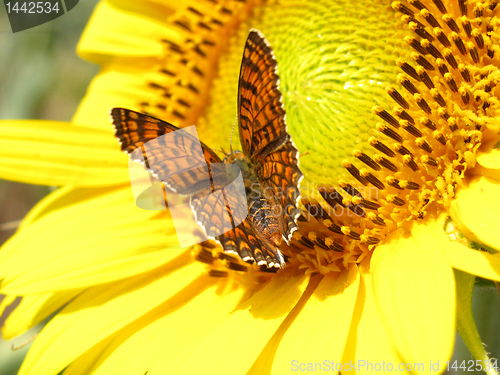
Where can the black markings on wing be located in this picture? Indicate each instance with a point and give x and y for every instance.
(180, 160)
(243, 241)
(280, 171)
(212, 213)
(261, 114)
(222, 209)
(185, 169)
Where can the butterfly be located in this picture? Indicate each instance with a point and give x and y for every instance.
(268, 163)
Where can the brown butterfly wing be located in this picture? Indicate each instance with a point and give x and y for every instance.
(264, 140)
(181, 161)
(263, 131)
(280, 170)
(261, 115)
(243, 242)
(225, 207)
(216, 202)
(211, 213)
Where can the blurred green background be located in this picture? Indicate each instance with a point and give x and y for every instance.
(42, 78)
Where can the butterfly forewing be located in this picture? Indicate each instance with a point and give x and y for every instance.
(261, 115)
(179, 159)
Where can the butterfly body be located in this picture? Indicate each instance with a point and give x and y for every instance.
(268, 164)
(263, 210)
(246, 167)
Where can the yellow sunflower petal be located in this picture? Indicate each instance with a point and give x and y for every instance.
(103, 310)
(264, 362)
(415, 293)
(489, 164)
(490, 160)
(254, 323)
(46, 204)
(33, 309)
(59, 199)
(368, 346)
(479, 263)
(114, 32)
(92, 242)
(476, 210)
(115, 86)
(161, 342)
(57, 153)
(84, 363)
(320, 330)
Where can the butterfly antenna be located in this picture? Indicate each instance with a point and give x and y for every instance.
(218, 150)
(231, 137)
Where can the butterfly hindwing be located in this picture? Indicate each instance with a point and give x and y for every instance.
(280, 170)
(243, 241)
(226, 207)
(211, 213)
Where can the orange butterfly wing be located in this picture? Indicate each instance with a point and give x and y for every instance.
(263, 132)
(226, 207)
(243, 242)
(261, 115)
(264, 140)
(176, 160)
(280, 170)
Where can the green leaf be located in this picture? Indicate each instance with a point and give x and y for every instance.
(465, 321)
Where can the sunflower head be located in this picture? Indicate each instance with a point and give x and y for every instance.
(394, 111)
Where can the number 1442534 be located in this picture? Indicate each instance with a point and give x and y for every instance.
(32, 7)
(471, 365)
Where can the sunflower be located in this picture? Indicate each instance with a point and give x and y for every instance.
(393, 108)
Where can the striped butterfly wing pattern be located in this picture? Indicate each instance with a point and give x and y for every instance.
(187, 175)
(261, 115)
(244, 242)
(184, 164)
(176, 160)
(265, 143)
(280, 171)
(263, 132)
